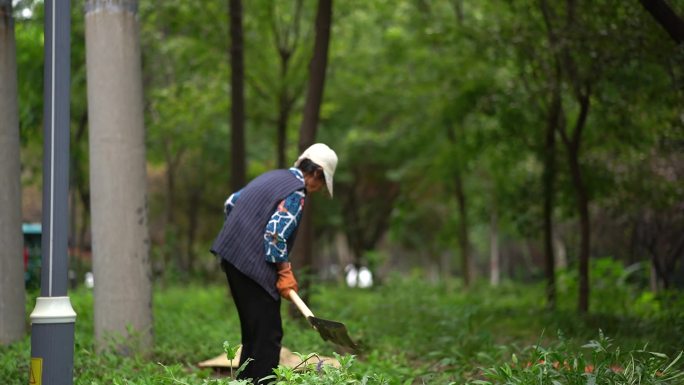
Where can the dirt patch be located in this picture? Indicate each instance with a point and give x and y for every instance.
(287, 359)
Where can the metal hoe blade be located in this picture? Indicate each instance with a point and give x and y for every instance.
(333, 331)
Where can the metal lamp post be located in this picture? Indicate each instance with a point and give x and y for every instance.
(53, 319)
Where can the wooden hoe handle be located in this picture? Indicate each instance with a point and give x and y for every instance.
(300, 304)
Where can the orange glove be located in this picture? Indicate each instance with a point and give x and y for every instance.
(286, 280)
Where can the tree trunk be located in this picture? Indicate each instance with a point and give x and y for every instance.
(561, 254)
(463, 238)
(653, 280)
(286, 42)
(171, 227)
(307, 131)
(317, 68)
(581, 87)
(237, 79)
(171, 167)
(81, 200)
(283, 117)
(582, 195)
(121, 265)
(12, 292)
(666, 17)
(494, 256)
(193, 216)
(583, 209)
(548, 182)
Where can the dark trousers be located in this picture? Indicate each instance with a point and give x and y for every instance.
(260, 324)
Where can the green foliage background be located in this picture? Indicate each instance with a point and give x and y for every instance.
(417, 92)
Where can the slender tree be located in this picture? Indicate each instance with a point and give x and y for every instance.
(123, 290)
(237, 89)
(79, 187)
(308, 128)
(286, 41)
(317, 69)
(553, 123)
(494, 255)
(12, 294)
(548, 182)
(582, 90)
(573, 141)
(460, 194)
(580, 82)
(541, 78)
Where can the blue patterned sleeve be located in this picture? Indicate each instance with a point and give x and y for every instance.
(230, 202)
(281, 226)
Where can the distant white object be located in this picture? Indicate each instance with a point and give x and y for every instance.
(89, 280)
(362, 277)
(365, 278)
(351, 275)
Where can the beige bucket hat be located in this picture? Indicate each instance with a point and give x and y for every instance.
(323, 156)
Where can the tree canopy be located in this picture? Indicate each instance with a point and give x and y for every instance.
(441, 113)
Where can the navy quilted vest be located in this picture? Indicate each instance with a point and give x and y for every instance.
(241, 240)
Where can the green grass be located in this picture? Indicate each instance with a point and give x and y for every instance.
(412, 331)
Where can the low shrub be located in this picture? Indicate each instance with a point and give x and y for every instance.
(604, 364)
